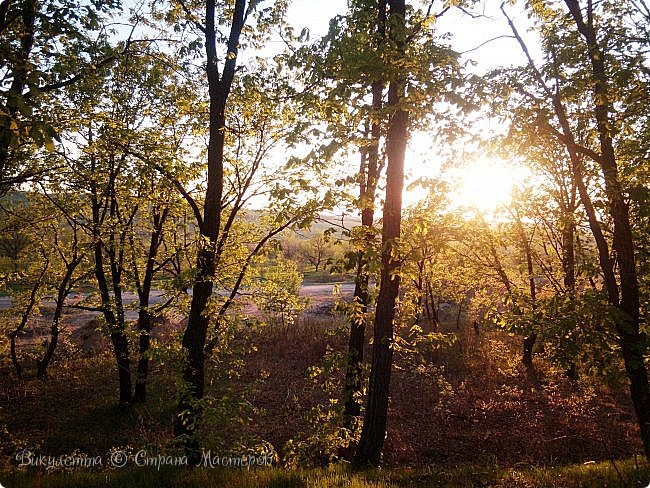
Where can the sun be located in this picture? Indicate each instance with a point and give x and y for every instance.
(481, 183)
(484, 185)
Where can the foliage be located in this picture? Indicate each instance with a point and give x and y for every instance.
(328, 440)
(277, 290)
(618, 474)
(110, 178)
(44, 47)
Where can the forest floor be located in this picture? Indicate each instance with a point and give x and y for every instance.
(470, 403)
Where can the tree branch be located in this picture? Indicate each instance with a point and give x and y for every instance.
(191, 16)
(504, 36)
(233, 293)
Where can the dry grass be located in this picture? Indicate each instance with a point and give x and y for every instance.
(470, 403)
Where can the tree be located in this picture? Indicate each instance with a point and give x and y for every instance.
(375, 419)
(348, 67)
(33, 72)
(595, 62)
(72, 253)
(247, 121)
(194, 337)
(276, 289)
(315, 250)
(57, 250)
(115, 118)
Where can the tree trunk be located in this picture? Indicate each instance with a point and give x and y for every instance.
(529, 341)
(435, 309)
(62, 294)
(568, 254)
(632, 341)
(114, 322)
(188, 411)
(529, 344)
(375, 421)
(419, 286)
(144, 326)
(23, 321)
(356, 342)
(144, 315)
(568, 267)
(121, 349)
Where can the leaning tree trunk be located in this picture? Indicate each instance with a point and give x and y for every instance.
(33, 297)
(62, 294)
(632, 341)
(375, 420)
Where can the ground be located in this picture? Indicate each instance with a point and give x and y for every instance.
(465, 404)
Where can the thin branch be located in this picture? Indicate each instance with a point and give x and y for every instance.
(83, 307)
(224, 308)
(86, 69)
(504, 36)
(569, 142)
(179, 186)
(191, 16)
(471, 14)
(163, 306)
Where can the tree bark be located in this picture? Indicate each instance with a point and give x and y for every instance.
(188, 411)
(144, 315)
(568, 254)
(367, 192)
(115, 322)
(117, 335)
(356, 342)
(62, 294)
(529, 341)
(568, 266)
(23, 320)
(375, 420)
(528, 345)
(631, 340)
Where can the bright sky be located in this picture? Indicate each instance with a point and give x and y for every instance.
(483, 183)
(469, 33)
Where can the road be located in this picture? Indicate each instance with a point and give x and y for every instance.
(308, 290)
(319, 289)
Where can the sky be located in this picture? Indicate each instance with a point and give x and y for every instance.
(485, 183)
(467, 33)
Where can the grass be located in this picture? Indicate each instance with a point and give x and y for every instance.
(474, 420)
(324, 276)
(625, 473)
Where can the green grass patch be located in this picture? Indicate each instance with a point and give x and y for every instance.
(624, 473)
(324, 276)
